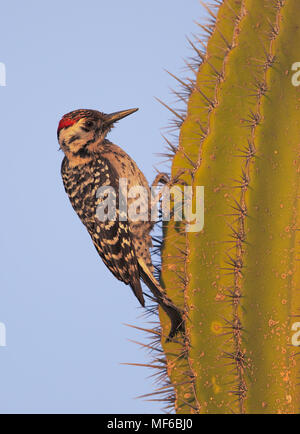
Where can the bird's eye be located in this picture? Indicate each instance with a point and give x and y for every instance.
(89, 124)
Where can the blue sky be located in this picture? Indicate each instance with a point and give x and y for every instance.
(64, 312)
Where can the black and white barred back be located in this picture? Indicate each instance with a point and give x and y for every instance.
(113, 239)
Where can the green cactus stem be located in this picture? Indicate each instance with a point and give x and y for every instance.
(238, 279)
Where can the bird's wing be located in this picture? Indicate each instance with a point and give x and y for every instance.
(112, 238)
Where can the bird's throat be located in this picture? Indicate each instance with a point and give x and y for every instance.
(78, 160)
(82, 153)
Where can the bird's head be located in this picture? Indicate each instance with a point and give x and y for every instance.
(80, 132)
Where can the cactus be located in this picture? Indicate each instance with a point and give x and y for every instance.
(238, 279)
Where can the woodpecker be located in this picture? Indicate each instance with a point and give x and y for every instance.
(91, 161)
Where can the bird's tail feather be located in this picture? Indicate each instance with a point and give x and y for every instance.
(138, 292)
(173, 312)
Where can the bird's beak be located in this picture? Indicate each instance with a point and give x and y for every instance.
(116, 116)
